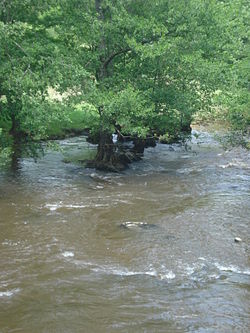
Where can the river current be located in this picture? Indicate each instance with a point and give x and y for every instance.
(70, 262)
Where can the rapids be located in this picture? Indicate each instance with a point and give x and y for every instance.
(67, 265)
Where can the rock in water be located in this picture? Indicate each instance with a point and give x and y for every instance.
(237, 240)
(131, 225)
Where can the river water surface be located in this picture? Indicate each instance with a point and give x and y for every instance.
(67, 265)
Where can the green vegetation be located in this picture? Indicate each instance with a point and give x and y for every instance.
(75, 124)
(139, 68)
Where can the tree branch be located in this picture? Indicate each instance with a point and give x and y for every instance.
(113, 55)
(20, 47)
(122, 51)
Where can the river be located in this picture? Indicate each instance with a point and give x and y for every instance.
(70, 262)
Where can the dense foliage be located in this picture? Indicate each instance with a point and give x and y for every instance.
(138, 67)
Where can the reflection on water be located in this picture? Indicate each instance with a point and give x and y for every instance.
(68, 265)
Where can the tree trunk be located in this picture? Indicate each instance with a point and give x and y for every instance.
(112, 157)
(139, 145)
(107, 157)
(15, 125)
(105, 148)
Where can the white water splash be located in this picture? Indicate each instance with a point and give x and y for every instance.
(235, 163)
(9, 293)
(231, 268)
(68, 254)
(162, 274)
(54, 207)
(130, 224)
(168, 276)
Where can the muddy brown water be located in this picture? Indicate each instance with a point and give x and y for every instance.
(67, 265)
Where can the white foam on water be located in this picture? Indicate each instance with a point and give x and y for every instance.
(53, 207)
(9, 293)
(193, 268)
(131, 273)
(118, 271)
(10, 242)
(188, 170)
(185, 156)
(199, 271)
(168, 276)
(189, 270)
(214, 276)
(99, 205)
(130, 224)
(161, 274)
(224, 166)
(235, 164)
(68, 254)
(231, 268)
(56, 206)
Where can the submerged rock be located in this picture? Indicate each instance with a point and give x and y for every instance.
(100, 179)
(237, 239)
(132, 225)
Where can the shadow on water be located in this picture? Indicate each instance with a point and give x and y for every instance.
(18, 148)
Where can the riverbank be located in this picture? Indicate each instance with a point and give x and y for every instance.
(77, 127)
(224, 134)
(74, 125)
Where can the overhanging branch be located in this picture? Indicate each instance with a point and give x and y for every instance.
(113, 55)
(122, 51)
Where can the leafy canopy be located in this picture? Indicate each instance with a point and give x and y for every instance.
(143, 66)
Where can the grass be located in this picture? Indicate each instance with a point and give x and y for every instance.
(75, 124)
(80, 117)
(58, 129)
(5, 124)
(81, 157)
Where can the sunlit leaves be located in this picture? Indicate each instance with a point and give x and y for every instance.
(145, 66)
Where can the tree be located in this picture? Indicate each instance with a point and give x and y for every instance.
(32, 59)
(154, 64)
(144, 67)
